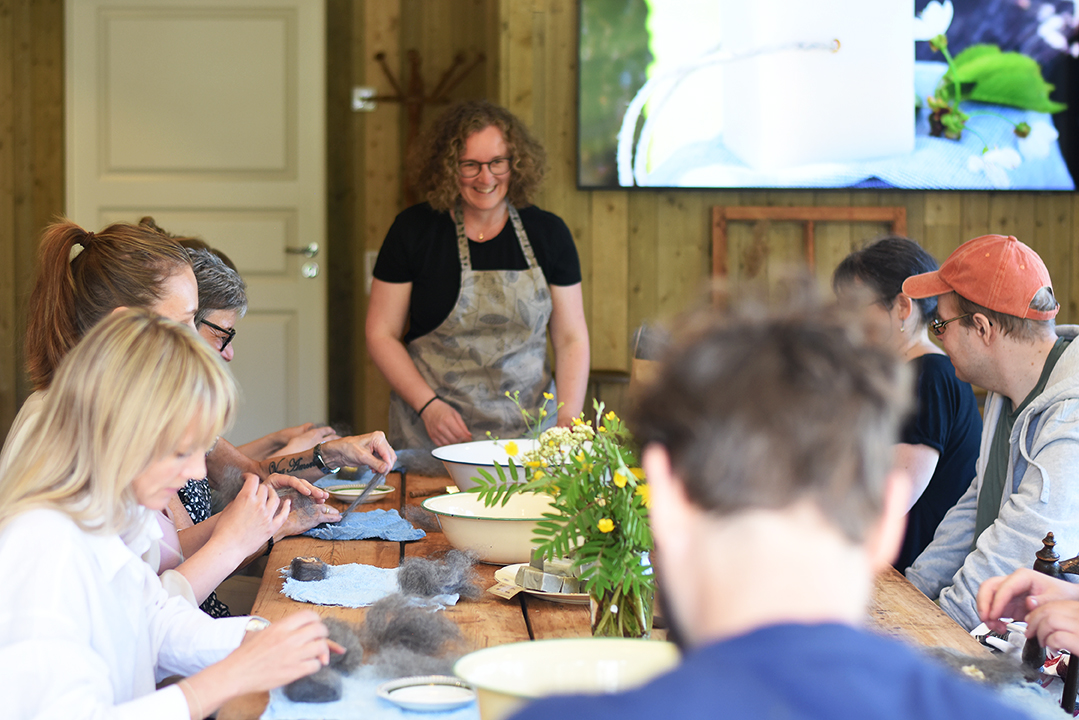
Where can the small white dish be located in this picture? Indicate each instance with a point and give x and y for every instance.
(427, 693)
(508, 574)
(348, 493)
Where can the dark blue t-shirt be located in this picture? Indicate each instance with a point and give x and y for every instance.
(947, 420)
(793, 672)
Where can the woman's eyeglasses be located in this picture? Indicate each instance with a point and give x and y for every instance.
(224, 335)
(471, 168)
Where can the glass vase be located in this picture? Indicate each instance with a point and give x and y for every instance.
(616, 613)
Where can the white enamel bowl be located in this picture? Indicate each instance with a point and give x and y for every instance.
(499, 535)
(507, 677)
(463, 461)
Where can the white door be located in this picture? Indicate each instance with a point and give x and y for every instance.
(210, 117)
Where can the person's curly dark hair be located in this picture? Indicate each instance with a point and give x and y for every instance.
(433, 161)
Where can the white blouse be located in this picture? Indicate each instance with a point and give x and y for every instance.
(86, 628)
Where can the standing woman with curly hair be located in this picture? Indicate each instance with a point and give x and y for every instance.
(468, 284)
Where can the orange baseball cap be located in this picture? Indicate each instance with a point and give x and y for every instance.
(994, 271)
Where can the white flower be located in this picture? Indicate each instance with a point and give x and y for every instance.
(934, 20)
(995, 165)
(1038, 144)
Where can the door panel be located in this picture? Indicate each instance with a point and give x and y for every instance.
(211, 119)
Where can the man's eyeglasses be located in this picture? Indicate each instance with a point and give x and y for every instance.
(471, 168)
(939, 325)
(225, 335)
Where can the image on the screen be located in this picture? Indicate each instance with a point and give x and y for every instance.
(874, 94)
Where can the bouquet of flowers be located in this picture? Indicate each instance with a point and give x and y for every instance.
(600, 513)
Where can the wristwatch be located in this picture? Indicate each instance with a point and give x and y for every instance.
(321, 464)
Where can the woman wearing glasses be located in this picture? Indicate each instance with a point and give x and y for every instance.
(468, 284)
(940, 442)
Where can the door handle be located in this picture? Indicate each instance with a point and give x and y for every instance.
(310, 250)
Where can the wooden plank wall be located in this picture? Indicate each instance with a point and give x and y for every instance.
(31, 168)
(645, 254)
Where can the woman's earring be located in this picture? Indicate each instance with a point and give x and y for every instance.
(902, 326)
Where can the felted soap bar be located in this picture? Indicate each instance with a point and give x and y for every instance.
(322, 687)
(536, 559)
(559, 566)
(306, 569)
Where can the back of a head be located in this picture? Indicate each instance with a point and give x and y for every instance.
(83, 276)
(220, 287)
(126, 395)
(762, 409)
(883, 265)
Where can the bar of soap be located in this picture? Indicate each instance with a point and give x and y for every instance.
(571, 585)
(559, 566)
(536, 559)
(530, 578)
(306, 569)
(322, 687)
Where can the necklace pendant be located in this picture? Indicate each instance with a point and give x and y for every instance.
(481, 236)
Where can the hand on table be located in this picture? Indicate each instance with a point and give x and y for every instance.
(306, 516)
(370, 450)
(1047, 604)
(444, 424)
(253, 516)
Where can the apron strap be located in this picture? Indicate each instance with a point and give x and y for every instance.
(518, 229)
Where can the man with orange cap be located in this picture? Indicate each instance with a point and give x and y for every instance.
(995, 318)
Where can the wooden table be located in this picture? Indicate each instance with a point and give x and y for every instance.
(898, 609)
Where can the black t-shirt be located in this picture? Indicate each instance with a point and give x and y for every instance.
(946, 420)
(421, 248)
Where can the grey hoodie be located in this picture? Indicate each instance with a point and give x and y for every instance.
(1044, 496)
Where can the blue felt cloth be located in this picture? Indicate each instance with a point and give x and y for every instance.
(383, 524)
(935, 163)
(359, 701)
(351, 585)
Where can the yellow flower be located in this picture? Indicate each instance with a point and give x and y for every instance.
(605, 525)
(579, 458)
(587, 467)
(611, 416)
(538, 475)
(578, 421)
(645, 492)
(637, 473)
(507, 393)
(603, 428)
(542, 413)
(620, 479)
(533, 463)
(551, 443)
(511, 449)
(548, 396)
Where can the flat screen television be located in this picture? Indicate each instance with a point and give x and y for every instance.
(873, 94)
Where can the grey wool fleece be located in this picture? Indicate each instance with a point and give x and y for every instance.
(1042, 496)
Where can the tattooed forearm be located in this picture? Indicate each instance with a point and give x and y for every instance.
(290, 465)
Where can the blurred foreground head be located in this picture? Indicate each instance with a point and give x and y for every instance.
(766, 405)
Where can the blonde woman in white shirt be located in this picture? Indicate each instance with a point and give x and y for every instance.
(85, 627)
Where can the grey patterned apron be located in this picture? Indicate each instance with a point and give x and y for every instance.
(494, 341)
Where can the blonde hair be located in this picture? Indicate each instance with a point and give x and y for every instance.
(135, 388)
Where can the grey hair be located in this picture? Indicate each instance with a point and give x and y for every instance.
(220, 287)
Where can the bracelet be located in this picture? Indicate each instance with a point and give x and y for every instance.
(321, 464)
(426, 404)
(196, 711)
(269, 547)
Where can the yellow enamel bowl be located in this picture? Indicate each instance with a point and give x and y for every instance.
(499, 535)
(464, 461)
(507, 677)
